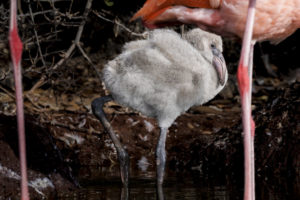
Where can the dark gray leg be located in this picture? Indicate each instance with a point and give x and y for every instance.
(97, 108)
(159, 192)
(124, 193)
(161, 155)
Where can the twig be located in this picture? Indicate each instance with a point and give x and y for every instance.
(78, 35)
(144, 35)
(11, 95)
(39, 108)
(8, 92)
(29, 42)
(71, 48)
(19, 7)
(89, 60)
(65, 57)
(4, 74)
(70, 7)
(38, 84)
(36, 35)
(36, 13)
(71, 127)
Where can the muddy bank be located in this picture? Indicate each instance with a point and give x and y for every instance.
(206, 140)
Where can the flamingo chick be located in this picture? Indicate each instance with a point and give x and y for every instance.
(162, 77)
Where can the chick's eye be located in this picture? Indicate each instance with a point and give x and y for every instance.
(212, 45)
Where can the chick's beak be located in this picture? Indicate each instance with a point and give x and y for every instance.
(220, 65)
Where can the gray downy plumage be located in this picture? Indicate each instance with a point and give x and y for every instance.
(162, 77)
(166, 74)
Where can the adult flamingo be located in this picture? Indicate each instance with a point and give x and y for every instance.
(274, 21)
(16, 54)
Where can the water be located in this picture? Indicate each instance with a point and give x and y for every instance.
(187, 186)
(146, 189)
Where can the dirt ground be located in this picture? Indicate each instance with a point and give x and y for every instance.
(207, 138)
(62, 134)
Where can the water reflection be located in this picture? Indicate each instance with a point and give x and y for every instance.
(159, 192)
(124, 193)
(147, 189)
(182, 187)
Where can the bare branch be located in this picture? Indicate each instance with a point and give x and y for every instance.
(78, 35)
(144, 35)
(71, 48)
(36, 35)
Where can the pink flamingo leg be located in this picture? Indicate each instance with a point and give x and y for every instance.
(252, 123)
(16, 54)
(245, 66)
